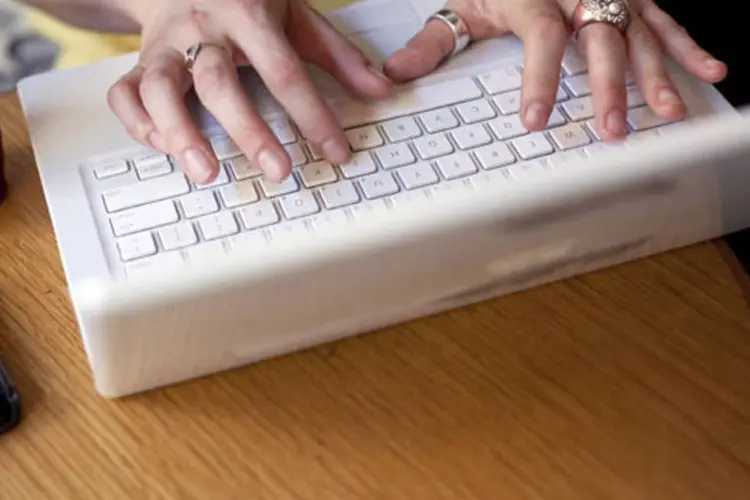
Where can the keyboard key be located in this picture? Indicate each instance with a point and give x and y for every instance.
(579, 109)
(315, 155)
(378, 185)
(471, 136)
(566, 158)
(635, 98)
(457, 165)
(136, 246)
(178, 236)
(556, 119)
(591, 127)
(508, 103)
(239, 193)
(144, 217)
(401, 129)
(417, 175)
(283, 131)
(415, 99)
(299, 205)
(296, 154)
(271, 189)
(218, 225)
(198, 204)
(153, 166)
(316, 174)
(111, 169)
(433, 146)
(533, 146)
(494, 156)
(475, 111)
(570, 136)
(502, 80)
(508, 127)
(395, 155)
(573, 63)
(221, 178)
(359, 164)
(243, 169)
(363, 138)
(578, 85)
(141, 193)
(644, 118)
(438, 120)
(562, 95)
(224, 147)
(338, 195)
(259, 215)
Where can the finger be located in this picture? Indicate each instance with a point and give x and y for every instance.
(647, 65)
(163, 88)
(681, 47)
(218, 87)
(125, 102)
(319, 43)
(422, 53)
(287, 79)
(606, 55)
(541, 28)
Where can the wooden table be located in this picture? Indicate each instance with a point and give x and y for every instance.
(633, 383)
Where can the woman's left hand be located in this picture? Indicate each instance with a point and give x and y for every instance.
(543, 27)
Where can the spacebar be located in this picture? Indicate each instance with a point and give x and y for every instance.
(416, 99)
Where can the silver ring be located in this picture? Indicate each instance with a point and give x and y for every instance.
(461, 36)
(191, 54)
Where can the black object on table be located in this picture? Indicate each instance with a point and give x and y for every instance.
(9, 403)
(721, 35)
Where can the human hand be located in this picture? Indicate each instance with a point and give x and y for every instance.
(542, 25)
(275, 37)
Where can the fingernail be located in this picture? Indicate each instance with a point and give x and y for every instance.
(669, 96)
(710, 62)
(157, 141)
(614, 122)
(537, 114)
(272, 166)
(334, 151)
(197, 165)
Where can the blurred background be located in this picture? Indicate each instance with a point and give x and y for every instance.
(23, 51)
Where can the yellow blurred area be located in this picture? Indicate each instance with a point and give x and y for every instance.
(79, 47)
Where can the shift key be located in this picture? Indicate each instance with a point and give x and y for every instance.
(141, 193)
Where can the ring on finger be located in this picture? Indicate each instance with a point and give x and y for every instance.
(613, 12)
(191, 53)
(459, 28)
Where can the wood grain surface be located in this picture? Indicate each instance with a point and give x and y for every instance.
(631, 383)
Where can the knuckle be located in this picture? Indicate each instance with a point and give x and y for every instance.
(285, 74)
(154, 83)
(212, 77)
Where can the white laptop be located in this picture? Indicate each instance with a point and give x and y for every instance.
(172, 281)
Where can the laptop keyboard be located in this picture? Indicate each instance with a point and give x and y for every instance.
(420, 141)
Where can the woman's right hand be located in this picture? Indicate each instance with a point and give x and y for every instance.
(275, 37)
